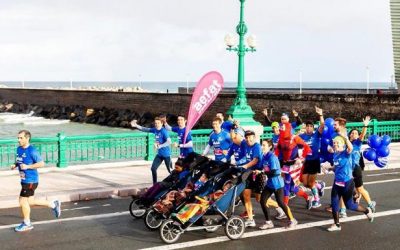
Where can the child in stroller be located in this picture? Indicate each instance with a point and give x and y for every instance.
(175, 197)
(199, 207)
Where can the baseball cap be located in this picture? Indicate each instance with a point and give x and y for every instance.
(249, 132)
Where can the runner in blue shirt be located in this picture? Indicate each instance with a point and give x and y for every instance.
(238, 147)
(255, 179)
(312, 164)
(272, 169)
(184, 148)
(162, 144)
(28, 160)
(358, 162)
(343, 184)
(220, 140)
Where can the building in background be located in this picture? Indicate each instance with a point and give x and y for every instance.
(395, 16)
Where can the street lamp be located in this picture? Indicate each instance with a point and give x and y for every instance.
(240, 110)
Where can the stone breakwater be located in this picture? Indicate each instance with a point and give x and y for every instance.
(119, 108)
(78, 113)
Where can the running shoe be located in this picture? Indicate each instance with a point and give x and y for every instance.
(280, 214)
(57, 208)
(291, 224)
(370, 215)
(321, 191)
(267, 225)
(342, 214)
(250, 223)
(292, 195)
(334, 228)
(372, 206)
(23, 227)
(309, 203)
(316, 204)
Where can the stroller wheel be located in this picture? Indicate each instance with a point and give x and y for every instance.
(137, 209)
(234, 227)
(153, 219)
(211, 229)
(170, 232)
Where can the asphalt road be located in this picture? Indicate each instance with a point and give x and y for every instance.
(106, 224)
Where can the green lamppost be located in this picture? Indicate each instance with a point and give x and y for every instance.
(240, 110)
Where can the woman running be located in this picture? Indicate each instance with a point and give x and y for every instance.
(274, 185)
(343, 184)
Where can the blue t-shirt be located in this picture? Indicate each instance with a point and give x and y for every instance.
(28, 156)
(181, 133)
(270, 163)
(253, 152)
(314, 141)
(221, 141)
(238, 151)
(356, 153)
(343, 165)
(161, 137)
(227, 126)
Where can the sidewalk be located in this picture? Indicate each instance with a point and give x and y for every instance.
(97, 181)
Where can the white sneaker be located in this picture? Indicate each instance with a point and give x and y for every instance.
(370, 215)
(280, 214)
(249, 223)
(291, 224)
(334, 228)
(343, 214)
(267, 225)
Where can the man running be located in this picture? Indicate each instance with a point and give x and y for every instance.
(312, 164)
(162, 144)
(184, 148)
(28, 160)
(219, 140)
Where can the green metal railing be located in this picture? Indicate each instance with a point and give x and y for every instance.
(64, 150)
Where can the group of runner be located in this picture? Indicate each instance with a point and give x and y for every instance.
(285, 165)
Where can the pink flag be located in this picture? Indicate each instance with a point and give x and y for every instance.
(204, 94)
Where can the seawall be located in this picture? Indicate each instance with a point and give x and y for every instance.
(76, 104)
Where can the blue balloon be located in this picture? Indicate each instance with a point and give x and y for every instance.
(383, 151)
(325, 141)
(370, 154)
(325, 132)
(381, 162)
(329, 123)
(374, 141)
(386, 140)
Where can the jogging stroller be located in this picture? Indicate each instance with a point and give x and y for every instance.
(208, 213)
(177, 179)
(157, 213)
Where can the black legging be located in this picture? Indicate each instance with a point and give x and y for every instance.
(266, 193)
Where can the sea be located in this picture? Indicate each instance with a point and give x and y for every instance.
(172, 86)
(11, 123)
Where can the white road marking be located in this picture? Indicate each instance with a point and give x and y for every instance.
(373, 182)
(88, 217)
(78, 208)
(383, 174)
(269, 231)
(106, 205)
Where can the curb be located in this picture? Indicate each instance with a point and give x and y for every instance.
(80, 195)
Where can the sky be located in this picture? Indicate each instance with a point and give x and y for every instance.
(179, 40)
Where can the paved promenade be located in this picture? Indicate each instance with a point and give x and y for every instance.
(106, 180)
